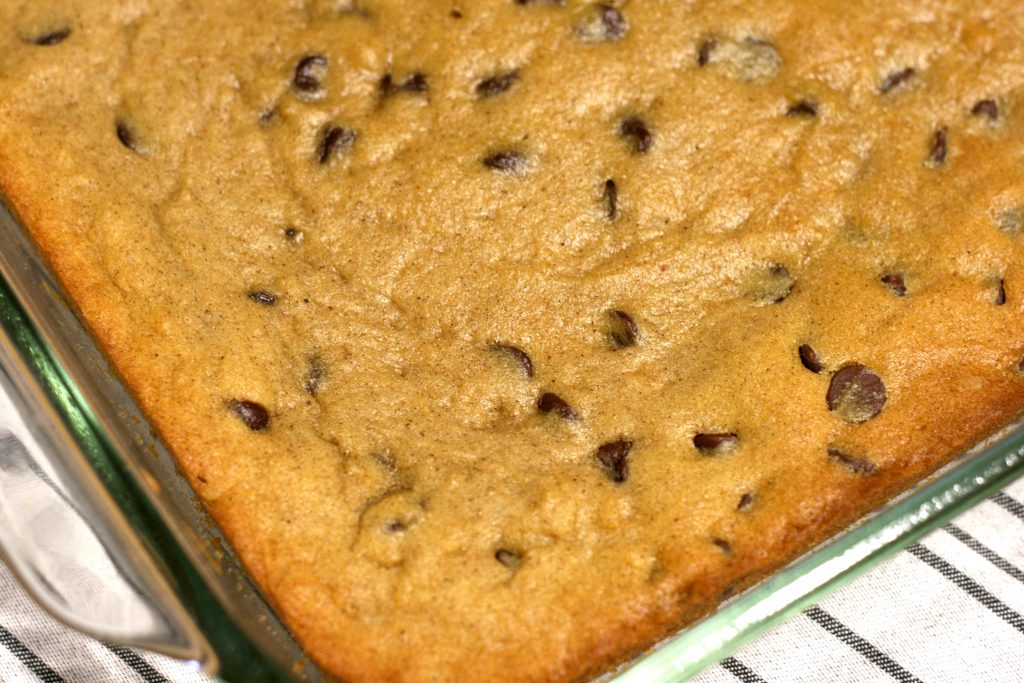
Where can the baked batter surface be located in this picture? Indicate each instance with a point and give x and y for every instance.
(502, 337)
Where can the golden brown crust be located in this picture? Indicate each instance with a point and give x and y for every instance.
(371, 508)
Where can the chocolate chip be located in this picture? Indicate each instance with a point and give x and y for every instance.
(416, 83)
(614, 458)
(938, 149)
(309, 72)
(517, 355)
(395, 526)
(896, 283)
(126, 136)
(611, 199)
(896, 78)
(262, 296)
(855, 465)
(601, 22)
(455, 14)
(507, 161)
(293, 234)
(316, 375)
(856, 393)
(1011, 221)
(496, 84)
(334, 140)
(722, 545)
(252, 414)
(715, 444)
(802, 108)
(52, 37)
(746, 500)
(622, 329)
(771, 285)
(636, 131)
(809, 358)
(1000, 297)
(509, 558)
(549, 402)
(986, 108)
(705, 50)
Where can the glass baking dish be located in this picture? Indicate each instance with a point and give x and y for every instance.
(82, 441)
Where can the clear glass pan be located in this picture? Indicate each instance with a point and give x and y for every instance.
(63, 365)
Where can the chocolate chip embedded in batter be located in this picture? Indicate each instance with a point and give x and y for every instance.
(252, 414)
(293, 234)
(127, 136)
(705, 51)
(746, 500)
(517, 355)
(987, 109)
(614, 459)
(896, 79)
(507, 161)
(309, 73)
(1000, 298)
(622, 329)
(496, 84)
(610, 196)
(333, 141)
(715, 444)
(416, 83)
(262, 296)
(510, 558)
(810, 359)
(395, 526)
(803, 108)
(54, 37)
(939, 148)
(855, 465)
(722, 545)
(549, 402)
(636, 131)
(896, 283)
(316, 376)
(856, 393)
(771, 285)
(600, 22)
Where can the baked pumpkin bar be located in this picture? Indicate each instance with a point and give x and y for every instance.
(504, 337)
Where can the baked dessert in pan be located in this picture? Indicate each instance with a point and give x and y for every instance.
(503, 338)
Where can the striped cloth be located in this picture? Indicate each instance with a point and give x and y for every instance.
(946, 609)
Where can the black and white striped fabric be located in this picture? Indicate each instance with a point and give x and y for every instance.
(948, 609)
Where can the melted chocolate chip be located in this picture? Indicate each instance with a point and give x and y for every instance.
(636, 131)
(455, 14)
(855, 465)
(252, 414)
(705, 50)
(262, 296)
(517, 355)
(509, 558)
(416, 83)
(896, 78)
(614, 459)
(939, 148)
(126, 136)
(896, 283)
(810, 359)
(309, 72)
(986, 108)
(1000, 298)
(496, 84)
(507, 161)
(549, 402)
(315, 376)
(722, 545)
(335, 140)
(53, 37)
(746, 500)
(714, 444)
(856, 393)
(601, 22)
(622, 329)
(802, 108)
(611, 199)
